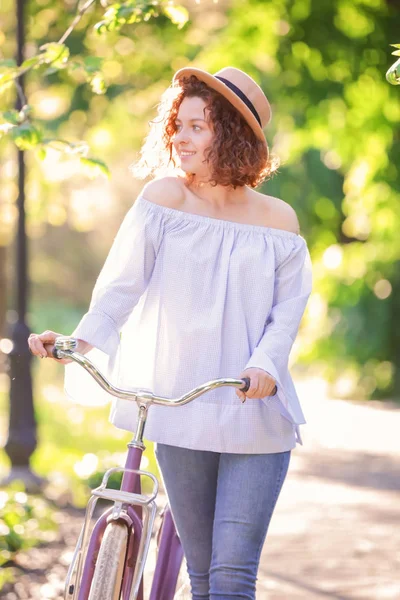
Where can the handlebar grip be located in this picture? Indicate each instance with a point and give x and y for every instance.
(246, 384)
(55, 353)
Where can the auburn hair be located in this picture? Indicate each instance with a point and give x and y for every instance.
(236, 155)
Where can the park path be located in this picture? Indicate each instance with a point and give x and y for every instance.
(335, 532)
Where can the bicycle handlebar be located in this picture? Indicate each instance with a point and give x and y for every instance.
(65, 348)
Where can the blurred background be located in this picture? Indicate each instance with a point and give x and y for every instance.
(335, 128)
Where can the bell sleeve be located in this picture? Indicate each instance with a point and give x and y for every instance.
(123, 279)
(292, 288)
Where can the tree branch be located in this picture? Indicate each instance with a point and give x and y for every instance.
(76, 21)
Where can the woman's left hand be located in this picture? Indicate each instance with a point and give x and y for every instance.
(261, 384)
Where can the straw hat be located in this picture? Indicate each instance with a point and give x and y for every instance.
(241, 91)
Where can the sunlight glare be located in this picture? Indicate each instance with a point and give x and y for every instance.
(87, 466)
(333, 257)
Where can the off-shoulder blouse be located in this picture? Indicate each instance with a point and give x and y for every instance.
(184, 298)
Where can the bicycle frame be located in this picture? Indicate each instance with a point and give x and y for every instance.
(128, 508)
(134, 510)
(129, 504)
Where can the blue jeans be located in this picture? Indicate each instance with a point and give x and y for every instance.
(222, 505)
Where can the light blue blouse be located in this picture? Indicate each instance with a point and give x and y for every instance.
(185, 298)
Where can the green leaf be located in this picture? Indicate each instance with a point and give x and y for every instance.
(80, 147)
(7, 76)
(74, 64)
(93, 63)
(54, 54)
(71, 148)
(41, 152)
(56, 144)
(8, 63)
(31, 62)
(94, 167)
(100, 27)
(130, 12)
(26, 136)
(124, 14)
(178, 15)
(110, 21)
(98, 84)
(11, 116)
(50, 71)
(150, 13)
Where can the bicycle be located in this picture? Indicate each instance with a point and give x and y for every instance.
(109, 563)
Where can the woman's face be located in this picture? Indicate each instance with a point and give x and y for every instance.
(193, 135)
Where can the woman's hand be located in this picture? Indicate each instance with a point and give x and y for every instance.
(261, 384)
(42, 344)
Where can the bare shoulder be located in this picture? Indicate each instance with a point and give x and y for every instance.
(166, 191)
(281, 214)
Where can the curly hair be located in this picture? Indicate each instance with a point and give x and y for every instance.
(237, 156)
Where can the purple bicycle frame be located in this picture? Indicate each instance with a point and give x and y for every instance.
(170, 553)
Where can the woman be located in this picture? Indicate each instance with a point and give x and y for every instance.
(206, 278)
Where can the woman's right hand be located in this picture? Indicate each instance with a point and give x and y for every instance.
(42, 344)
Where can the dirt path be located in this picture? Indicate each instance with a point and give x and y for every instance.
(335, 532)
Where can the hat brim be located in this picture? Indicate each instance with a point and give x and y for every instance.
(220, 87)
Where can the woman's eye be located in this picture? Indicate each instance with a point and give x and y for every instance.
(178, 126)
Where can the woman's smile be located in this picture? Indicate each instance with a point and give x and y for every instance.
(184, 154)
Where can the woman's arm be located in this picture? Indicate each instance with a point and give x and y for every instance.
(293, 286)
(122, 280)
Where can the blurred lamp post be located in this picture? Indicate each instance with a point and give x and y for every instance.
(21, 440)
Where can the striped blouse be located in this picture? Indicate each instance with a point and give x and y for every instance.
(185, 298)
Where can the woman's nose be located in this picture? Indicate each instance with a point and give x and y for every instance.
(182, 136)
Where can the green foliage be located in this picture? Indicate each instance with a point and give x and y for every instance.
(119, 14)
(178, 15)
(25, 521)
(393, 73)
(396, 52)
(114, 481)
(335, 126)
(21, 129)
(95, 166)
(25, 136)
(54, 54)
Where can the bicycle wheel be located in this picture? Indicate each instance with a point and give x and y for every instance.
(107, 577)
